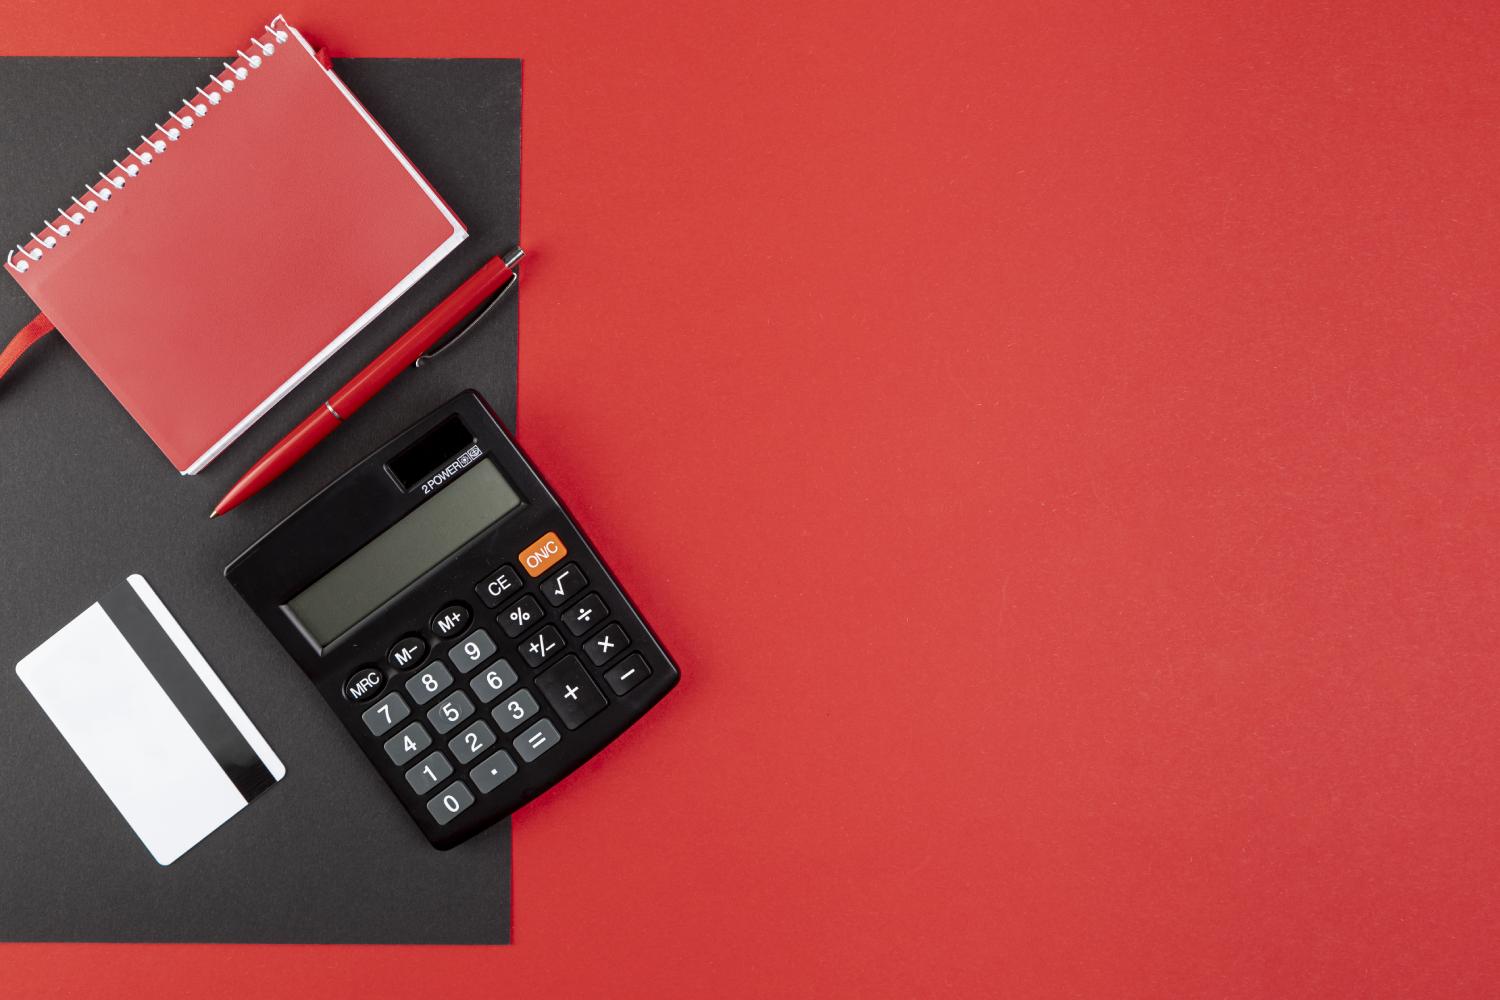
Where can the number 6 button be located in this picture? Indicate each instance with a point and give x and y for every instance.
(496, 678)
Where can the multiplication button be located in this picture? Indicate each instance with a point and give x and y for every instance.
(603, 647)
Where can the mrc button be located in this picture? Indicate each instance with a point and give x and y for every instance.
(364, 684)
(542, 553)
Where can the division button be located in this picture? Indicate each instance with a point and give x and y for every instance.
(585, 614)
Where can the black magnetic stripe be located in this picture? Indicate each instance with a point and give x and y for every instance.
(207, 718)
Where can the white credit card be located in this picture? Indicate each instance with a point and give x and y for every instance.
(150, 720)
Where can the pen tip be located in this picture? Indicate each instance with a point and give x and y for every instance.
(213, 514)
(514, 257)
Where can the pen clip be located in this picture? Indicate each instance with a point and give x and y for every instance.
(457, 335)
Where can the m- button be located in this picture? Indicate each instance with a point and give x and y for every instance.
(542, 553)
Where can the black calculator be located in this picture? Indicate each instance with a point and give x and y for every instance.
(456, 620)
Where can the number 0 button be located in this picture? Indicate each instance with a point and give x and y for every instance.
(450, 802)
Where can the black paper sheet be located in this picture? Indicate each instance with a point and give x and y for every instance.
(327, 855)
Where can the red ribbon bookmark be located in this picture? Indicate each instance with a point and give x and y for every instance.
(30, 334)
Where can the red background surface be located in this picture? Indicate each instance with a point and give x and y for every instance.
(1057, 441)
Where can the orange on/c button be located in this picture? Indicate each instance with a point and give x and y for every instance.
(542, 553)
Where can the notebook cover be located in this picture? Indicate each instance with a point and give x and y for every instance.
(328, 856)
(235, 258)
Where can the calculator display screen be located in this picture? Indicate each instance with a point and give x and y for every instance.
(403, 552)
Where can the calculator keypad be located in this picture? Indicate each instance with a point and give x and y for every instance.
(552, 625)
(454, 709)
(429, 684)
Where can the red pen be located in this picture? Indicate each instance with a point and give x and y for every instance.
(492, 282)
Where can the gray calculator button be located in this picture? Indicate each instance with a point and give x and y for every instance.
(454, 709)
(492, 680)
(407, 744)
(424, 777)
(385, 713)
(429, 683)
(472, 650)
(471, 742)
(492, 772)
(536, 741)
(515, 710)
(450, 802)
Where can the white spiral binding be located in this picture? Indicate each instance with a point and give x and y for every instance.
(153, 145)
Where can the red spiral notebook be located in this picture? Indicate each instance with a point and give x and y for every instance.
(255, 229)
